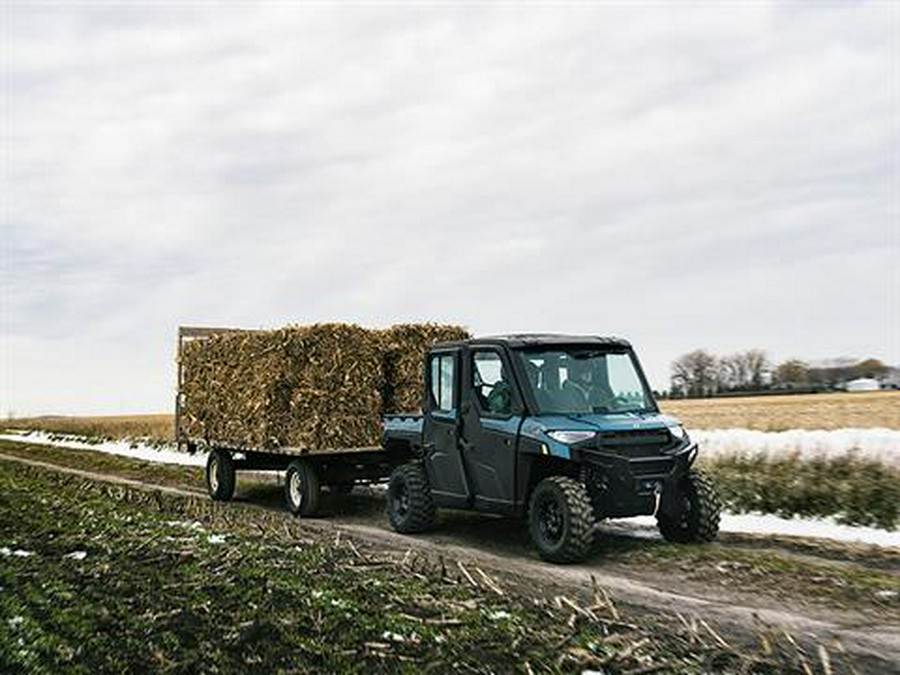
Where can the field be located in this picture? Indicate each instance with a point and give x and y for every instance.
(155, 427)
(792, 474)
(763, 413)
(780, 413)
(248, 588)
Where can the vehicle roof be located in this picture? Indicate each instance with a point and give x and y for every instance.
(524, 340)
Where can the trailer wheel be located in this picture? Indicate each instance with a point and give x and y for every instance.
(560, 518)
(220, 475)
(409, 504)
(698, 520)
(301, 488)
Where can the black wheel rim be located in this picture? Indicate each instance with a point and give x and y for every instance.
(550, 519)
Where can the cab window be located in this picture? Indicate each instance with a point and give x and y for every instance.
(490, 382)
(442, 372)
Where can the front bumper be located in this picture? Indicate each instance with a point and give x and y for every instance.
(622, 486)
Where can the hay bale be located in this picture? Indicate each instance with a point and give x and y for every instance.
(405, 346)
(303, 386)
(320, 387)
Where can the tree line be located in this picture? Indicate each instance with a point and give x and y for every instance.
(701, 373)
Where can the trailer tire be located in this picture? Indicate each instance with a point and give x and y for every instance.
(409, 504)
(699, 520)
(302, 490)
(560, 519)
(220, 475)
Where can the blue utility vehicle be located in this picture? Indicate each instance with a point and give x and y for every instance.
(562, 430)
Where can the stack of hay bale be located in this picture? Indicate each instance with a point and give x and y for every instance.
(321, 387)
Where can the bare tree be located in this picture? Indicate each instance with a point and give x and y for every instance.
(695, 374)
(870, 368)
(757, 363)
(792, 373)
(733, 372)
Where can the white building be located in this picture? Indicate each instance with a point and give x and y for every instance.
(863, 384)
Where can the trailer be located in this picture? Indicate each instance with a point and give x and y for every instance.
(306, 469)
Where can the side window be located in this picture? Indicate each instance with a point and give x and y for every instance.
(442, 373)
(490, 383)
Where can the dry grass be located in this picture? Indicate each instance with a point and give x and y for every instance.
(778, 413)
(114, 427)
(764, 413)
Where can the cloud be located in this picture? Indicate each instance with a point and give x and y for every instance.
(723, 177)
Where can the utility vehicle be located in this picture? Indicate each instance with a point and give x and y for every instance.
(562, 430)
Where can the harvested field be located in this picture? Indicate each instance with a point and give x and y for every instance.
(156, 428)
(801, 411)
(763, 413)
(320, 386)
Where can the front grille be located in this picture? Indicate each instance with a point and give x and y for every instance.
(635, 442)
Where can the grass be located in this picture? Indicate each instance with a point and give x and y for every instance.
(779, 413)
(101, 578)
(855, 491)
(115, 465)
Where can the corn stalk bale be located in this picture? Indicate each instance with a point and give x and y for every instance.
(405, 346)
(319, 387)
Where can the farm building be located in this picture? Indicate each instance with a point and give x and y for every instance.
(863, 384)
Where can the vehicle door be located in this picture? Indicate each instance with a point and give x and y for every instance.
(491, 420)
(446, 473)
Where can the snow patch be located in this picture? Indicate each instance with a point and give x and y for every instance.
(881, 445)
(757, 523)
(17, 553)
(76, 555)
(131, 449)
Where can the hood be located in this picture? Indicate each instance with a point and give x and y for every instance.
(599, 422)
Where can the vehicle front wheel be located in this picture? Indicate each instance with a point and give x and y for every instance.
(409, 504)
(560, 519)
(698, 518)
(301, 488)
(220, 475)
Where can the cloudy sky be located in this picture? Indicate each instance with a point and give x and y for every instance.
(706, 175)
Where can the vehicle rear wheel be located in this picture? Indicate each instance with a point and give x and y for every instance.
(301, 488)
(698, 520)
(560, 519)
(409, 504)
(220, 475)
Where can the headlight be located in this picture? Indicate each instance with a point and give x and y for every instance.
(569, 437)
(678, 432)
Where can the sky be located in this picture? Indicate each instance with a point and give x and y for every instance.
(701, 175)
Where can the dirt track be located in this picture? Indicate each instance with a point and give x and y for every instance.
(500, 546)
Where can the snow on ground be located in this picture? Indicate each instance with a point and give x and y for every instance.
(757, 523)
(124, 448)
(882, 445)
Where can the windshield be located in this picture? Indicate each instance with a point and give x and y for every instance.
(580, 380)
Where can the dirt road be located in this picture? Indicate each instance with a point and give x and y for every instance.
(718, 582)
